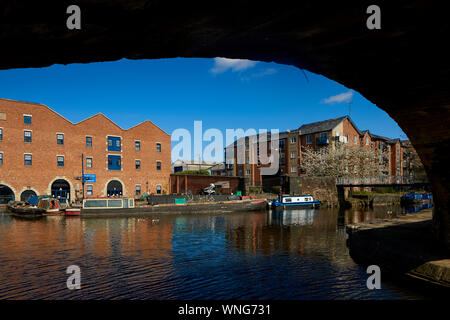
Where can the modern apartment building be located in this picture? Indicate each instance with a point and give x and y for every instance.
(312, 135)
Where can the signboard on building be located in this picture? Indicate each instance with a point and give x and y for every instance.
(89, 178)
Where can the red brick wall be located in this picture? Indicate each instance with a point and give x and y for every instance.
(349, 129)
(197, 182)
(44, 149)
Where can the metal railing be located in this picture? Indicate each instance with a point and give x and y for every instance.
(382, 180)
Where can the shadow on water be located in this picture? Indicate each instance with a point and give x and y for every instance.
(295, 254)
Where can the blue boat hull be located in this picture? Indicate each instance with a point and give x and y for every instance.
(281, 206)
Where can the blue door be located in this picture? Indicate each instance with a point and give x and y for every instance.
(114, 144)
(114, 163)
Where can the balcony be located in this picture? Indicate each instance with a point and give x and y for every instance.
(322, 142)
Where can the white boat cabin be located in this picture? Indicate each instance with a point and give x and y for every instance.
(108, 203)
(296, 199)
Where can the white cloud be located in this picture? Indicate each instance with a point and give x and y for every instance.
(224, 64)
(266, 72)
(339, 98)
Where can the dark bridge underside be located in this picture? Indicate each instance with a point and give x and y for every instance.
(403, 68)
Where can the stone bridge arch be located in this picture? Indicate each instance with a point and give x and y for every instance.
(402, 68)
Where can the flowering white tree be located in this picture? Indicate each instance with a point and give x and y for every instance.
(343, 160)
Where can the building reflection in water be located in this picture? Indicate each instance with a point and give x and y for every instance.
(253, 255)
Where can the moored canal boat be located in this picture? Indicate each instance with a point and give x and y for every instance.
(295, 201)
(72, 211)
(23, 209)
(126, 206)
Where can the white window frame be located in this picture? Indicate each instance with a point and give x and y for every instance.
(28, 154)
(57, 162)
(57, 134)
(31, 135)
(27, 115)
(308, 139)
(87, 190)
(92, 162)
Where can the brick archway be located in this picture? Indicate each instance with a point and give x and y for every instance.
(403, 68)
(7, 193)
(105, 189)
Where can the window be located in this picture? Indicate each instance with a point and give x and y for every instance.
(27, 136)
(240, 173)
(89, 142)
(114, 162)
(26, 119)
(158, 147)
(60, 160)
(138, 189)
(27, 160)
(138, 164)
(346, 138)
(293, 169)
(293, 139)
(114, 144)
(281, 144)
(158, 189)
(293, 155)
(308, 139)
(89, 190)
(367, 141)
(137, 145)
(158, 165)
(247, 160)
(324, 136)
(60, 139)
(1, 158)
(88, 162)
(248, 172)
(355, 140)
(1, 134)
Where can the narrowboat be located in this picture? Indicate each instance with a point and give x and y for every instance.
(23, 209)
(72, 211)
(295, 201)
(127, 206)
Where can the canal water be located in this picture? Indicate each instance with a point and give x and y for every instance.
(297, 254)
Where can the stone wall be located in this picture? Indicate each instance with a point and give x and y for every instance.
(321, 188)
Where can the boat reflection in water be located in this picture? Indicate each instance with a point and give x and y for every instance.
(299, 217)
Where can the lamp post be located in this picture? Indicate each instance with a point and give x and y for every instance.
(82, 177)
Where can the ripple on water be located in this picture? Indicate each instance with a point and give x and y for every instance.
(292, 255)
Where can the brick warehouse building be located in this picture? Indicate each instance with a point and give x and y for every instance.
(41, 153)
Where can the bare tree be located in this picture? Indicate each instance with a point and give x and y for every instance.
(343, 160)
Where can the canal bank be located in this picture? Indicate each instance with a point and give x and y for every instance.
(402, 246)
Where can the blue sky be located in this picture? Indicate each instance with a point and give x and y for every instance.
(173, 93)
